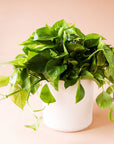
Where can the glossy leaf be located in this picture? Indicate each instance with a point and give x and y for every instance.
(34, 126)
(110, 58)
(45, 33)
(4, 80)
(93, 67)
(29, 40)
(54, 69)
(64, 46)
(75, 47)
(93, 36)
(79, 33)
(70, 82)
(104, 100)
(100, 59)
(34, 84)
(55, 83)
(46, 96)
(110, 113)
(108, 74)
(24, 80)
(110, 89)
(18, 62)
(37, 46)
(37, 63)
(62, 23)
(14, 78)
(80, 93)
(20, 97)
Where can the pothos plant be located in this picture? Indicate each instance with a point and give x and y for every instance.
(61, 52)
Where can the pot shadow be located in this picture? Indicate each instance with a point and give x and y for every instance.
(100, 118)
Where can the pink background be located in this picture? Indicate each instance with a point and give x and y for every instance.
(18, 19)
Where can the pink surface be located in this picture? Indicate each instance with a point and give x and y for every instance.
(18, 19)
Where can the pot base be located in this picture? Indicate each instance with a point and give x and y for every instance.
(66, 115)
(68, 130)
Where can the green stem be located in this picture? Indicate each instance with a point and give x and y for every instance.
(36, 82)
(94, 53)
(13, 93)
(31, 110)
(39, 110)
(105, 81)
(6, 96)
(34, 75)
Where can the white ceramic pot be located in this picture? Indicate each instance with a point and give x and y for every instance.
(66, 115)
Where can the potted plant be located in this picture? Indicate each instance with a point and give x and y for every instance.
(62, 63)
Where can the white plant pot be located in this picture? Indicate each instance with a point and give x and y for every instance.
(66, 115)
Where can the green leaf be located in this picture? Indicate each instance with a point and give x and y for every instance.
(37, 63)
(28, 41)
(92, 40)
(110, 89)
(110, 113)
(18, 62)
(45, 33)
(46, 95)
(24, 80)
(64, 40)
(110, 58)
(25, 50)
(91, 43)
(21, 56)
(70, 82)
(74, 31)
(70, 31)
(108, 74)
(93, 36)
(37, 46)
(98, 76)
(75, 47)
(34, 126)
(100, 44)
(79, 33)
(72, 61)
(80, 92)
(31, 54)
(104, 100)
(19, 98)
(53, 53)
(14, 78)
(4, 80)
(87, 75)
(90, 76)
(101, 59)
(55, 83)
(93, 67)
(34, 84)
(70, 76)
(54, 68)
(62, 23)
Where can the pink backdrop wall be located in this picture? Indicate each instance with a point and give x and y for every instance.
(18, 19)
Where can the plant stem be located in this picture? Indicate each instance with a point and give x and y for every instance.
(94, 53)
(31, 110)
(6, 96)
(39, 110)
(34, 75)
